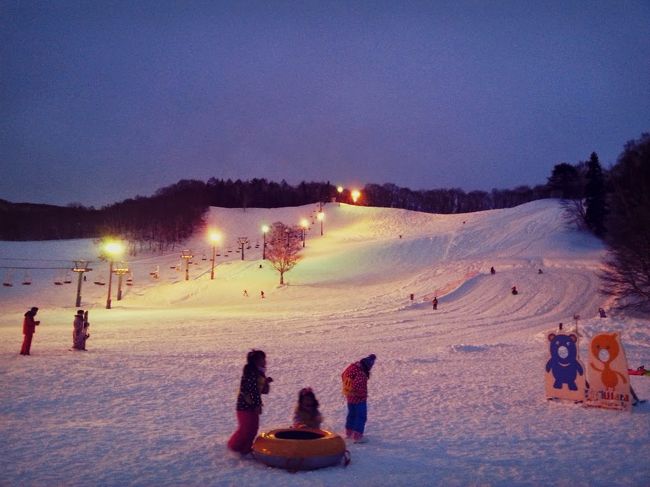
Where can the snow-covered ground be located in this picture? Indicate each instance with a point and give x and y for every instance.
(456, 395)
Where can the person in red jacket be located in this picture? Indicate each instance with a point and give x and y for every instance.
(355, 389)
(249, 401)
(29, 328)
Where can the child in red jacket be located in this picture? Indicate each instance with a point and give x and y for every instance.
(355, 389)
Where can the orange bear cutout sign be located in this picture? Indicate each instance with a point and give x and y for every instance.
(565, 373)
(609, 382)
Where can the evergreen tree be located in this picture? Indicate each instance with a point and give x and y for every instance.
(566, 182)
(595, 196)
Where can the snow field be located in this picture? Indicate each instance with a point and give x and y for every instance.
(456, 395)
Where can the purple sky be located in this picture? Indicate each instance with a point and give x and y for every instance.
(101, 101)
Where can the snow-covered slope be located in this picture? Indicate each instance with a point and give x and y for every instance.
(456, 394)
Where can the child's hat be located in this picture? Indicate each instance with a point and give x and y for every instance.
(369, 361)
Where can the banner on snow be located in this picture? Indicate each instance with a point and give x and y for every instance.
(565, 373)
(609, 382)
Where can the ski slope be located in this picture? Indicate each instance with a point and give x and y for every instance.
(456, 395)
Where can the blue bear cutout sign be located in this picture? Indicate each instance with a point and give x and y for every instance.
(565, 374)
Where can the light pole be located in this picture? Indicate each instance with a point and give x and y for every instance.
(339, 190)
(321, 219)
(214, 238)
(265, 230)
(356, 194)
(304, 224)
(112, 249)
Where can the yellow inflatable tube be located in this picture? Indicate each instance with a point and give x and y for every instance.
(300, 448)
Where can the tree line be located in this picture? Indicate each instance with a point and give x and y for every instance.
(614, 204)
(171, 214)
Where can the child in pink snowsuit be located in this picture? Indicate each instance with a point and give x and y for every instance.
(249, 401)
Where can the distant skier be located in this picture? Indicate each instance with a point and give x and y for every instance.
(307, 414)
(253, 384)
(355, 389)
(434, 303)
(262, 294)
(601, 313)
(245, 293)
(492, 271)
(29, 328)
(80, 330)
(540, 271)
(514, 290)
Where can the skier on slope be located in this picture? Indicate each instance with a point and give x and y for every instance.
(355, 389)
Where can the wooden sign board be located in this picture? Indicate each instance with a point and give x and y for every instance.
(565, 373)
(609, 382)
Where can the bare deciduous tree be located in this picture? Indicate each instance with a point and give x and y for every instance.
(283, 248)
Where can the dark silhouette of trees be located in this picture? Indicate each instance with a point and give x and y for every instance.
(628, 227)
(595, 196)
(283, 247)
(566, 181)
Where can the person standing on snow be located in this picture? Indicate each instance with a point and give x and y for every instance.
(434, 303)
(29, 328)
(355, 389)
(79, 331)
(253, 384)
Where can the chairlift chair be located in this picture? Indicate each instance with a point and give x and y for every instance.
(58, 279)
(27, 279)
(100, 281)
(8, 280)
(67, 279)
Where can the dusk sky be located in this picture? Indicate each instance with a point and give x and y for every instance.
(105, 100)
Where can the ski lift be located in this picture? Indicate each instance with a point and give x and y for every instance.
(8, 280)
(27, 279)
(155, 273)
(67, 279)
(218, 254)
(129, 280)
(248, 247)
(58, 279)
(203, 257)
(100, 281)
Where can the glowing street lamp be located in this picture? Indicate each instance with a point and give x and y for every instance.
(113, 250)
(356, 194)
(265, 230)
(339, 190)
(304, 224)
(321, 218)
(214, 239)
